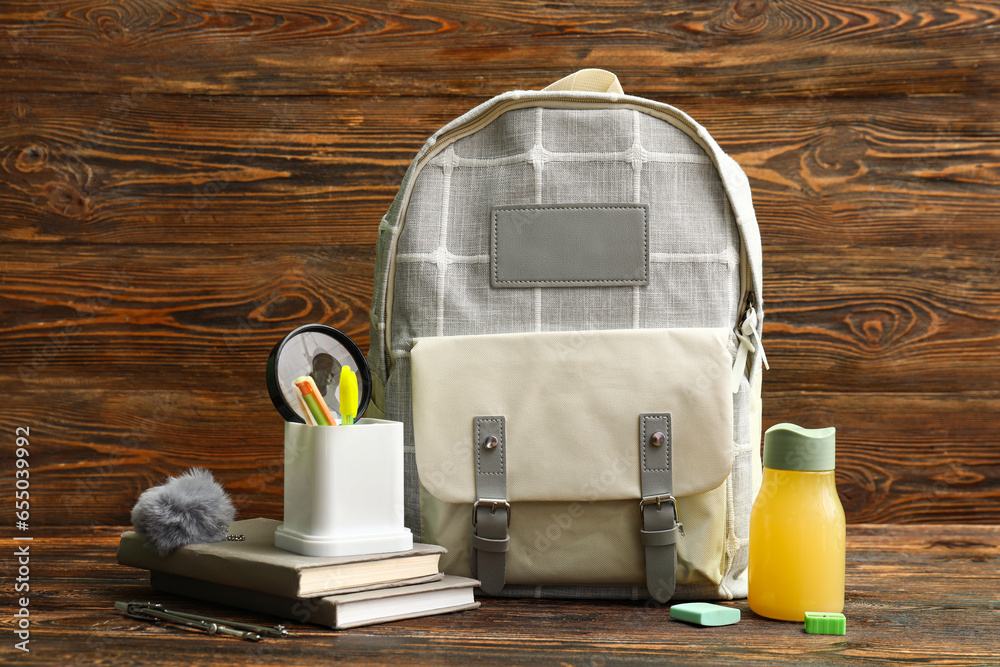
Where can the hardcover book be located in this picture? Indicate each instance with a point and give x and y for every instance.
(349, 610)
(256, 564)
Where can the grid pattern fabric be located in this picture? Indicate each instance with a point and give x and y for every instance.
(442, 259)
(540, 155)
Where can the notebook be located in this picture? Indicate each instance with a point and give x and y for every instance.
(348, 610)
(256, 564)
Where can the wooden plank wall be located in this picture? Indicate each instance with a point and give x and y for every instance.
(181, 183)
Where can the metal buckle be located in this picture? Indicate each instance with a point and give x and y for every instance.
(658, 499)
(493, 509)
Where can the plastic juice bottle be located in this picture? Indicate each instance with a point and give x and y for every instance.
(797, 527)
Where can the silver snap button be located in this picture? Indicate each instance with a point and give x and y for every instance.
(658, 439)
(491, 442)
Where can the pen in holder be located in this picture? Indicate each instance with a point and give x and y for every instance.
(344, 489)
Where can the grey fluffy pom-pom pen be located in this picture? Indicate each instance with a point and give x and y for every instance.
(189, 509)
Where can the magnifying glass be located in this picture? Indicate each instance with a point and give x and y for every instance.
(319, 351)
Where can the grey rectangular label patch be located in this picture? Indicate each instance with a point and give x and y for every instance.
(584, 245)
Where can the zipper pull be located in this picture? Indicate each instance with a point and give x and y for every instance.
(752, 322)
(747, 334)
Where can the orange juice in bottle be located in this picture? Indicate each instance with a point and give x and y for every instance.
(797, 527)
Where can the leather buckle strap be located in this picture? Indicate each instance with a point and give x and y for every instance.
(660, 537)
(660, 526)
(487, 544)
(491, 511)
(494, 504)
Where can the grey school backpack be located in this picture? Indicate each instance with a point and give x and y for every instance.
(567, 318)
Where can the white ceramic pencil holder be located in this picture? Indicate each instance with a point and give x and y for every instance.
(344, 489)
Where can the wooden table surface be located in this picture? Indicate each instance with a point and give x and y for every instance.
(928, 593)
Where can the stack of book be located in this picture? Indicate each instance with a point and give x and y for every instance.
(341, 592)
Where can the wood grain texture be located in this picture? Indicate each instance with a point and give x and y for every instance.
(913, 593)
(301, 170)
(315, 169)
(183, 183)
(885, 319)
(870, 49)
(170, 315)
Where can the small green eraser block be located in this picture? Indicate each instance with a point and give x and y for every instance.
(705, 613)
(825, 623)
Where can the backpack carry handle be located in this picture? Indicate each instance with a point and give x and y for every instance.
(589, 80)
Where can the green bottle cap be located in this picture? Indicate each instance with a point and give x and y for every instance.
(825, 623)
(791, 447)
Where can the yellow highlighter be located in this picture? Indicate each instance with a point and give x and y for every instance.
(348, 396)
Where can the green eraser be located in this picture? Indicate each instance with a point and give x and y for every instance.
(704, 613)
(825, 623)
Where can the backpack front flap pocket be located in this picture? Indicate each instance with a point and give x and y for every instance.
(571, 405)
